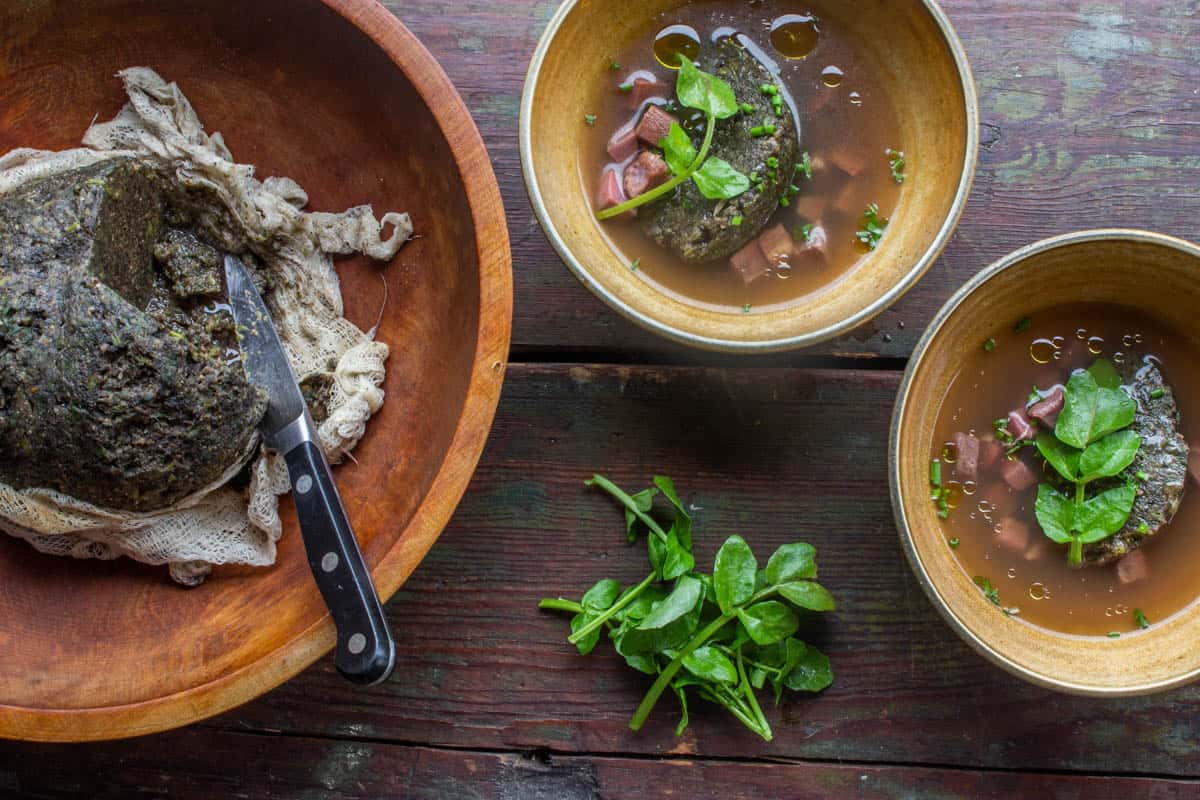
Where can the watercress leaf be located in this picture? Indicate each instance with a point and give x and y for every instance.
(1109, 456)
(768, 622)
(792, 562)
(721, 100)
(690, 87)
(643, 604)
(1105, 374)
(683, 520)
(677, 149)
(587, 643)
(644, 501)
(1091, 411)
(733, 573)
(758, 677)
(807, 594)
(656, 550)
(794, 651)
(642, 663)
(761, 581)
(1063, 457)
(657, 640)
(601, 596)
(683, 711)
(812, 672)
(683, 599)
(1055, 513)
(718, 180)
(678, 559)
(1101, 516)
(711, 664)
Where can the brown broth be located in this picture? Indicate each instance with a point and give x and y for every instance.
(1091, 600)
(854, 117)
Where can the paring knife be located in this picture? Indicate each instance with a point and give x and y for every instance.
(366, 651)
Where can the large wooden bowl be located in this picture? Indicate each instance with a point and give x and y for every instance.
(1154, 274)
(922, 68)
(340, 96)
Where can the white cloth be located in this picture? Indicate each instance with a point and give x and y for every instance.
(219, 524)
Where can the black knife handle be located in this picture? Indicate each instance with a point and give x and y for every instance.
(365, 651)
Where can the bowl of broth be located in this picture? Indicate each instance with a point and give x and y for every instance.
(1044, 462)
(797, 175)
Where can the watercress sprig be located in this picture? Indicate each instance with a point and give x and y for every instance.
(1090, 442)
(714, 177)
(721, 636)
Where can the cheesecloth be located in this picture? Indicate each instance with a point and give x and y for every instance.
(220, 524)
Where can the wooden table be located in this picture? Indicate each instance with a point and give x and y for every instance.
(1091, 117)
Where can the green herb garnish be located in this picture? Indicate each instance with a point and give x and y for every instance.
(1090, 442)
(746, 308)
(637, 263)
(805, 165)
(1158, 393)
(989, 345)
(1023, 325)
(769, 89)
(714, 177)
(1035, 396)
(938, 492)
(736, 221)
(873, 227)
(589, 119)
(954, 543)
(896, 160)
(747, 108)
(720, 636)
(626, 87)
(989, 591)
(784, 202)
(1114, 634)
(613, 66)
(802, 233)
(1140, 619)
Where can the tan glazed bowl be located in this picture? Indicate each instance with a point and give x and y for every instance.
(1146, 271)
(922, 68)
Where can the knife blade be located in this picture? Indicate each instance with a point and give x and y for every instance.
(365, 651)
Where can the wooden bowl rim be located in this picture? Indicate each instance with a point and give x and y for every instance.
(482, 192)
(915, 561)
(922, 265)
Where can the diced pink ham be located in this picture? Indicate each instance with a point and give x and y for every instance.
(1020, 427)
(851, 161)
(1017, 474)
(1013, 535)
(813, 248)
(1194, 464)
(1133, 568)
(609, 193)
(644, 173)
(750, 262)
(966, 465)
(1046, 410)
(809, 206)
(645, 86)
(623, 144)
(990, 452)
(777, 244)
(654, 125)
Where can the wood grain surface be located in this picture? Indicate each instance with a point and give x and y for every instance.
(1091, 115)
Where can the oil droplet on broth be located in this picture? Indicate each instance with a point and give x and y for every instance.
(1042, 351)
(1012, 572)
(985, 507)
(855, 99)
(1118, 357)
(952, 493)
(1095, 345)
(1081, 334)
(949, 452)
(832, 76)
(1128, 340)
(969, 487)
(674, 41)
(795, 35)
(1037, 591)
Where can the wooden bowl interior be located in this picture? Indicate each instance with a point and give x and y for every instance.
(918, 71)
(1156, 276)
(299, 91)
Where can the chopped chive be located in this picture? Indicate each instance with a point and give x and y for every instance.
(1141, 475)
(746, 308)
(802, 233)
(770, 127)
(784, 202)
(1140, 619)
(747, 108)
(589, 119)
(944, 513)
(1114, 634)
(805, 165)
(771, 175)
(772, 162)
(637, 262)
(768, 89)
(758, 130)
(1157, 393)
(935, 472)
(954, 543)
(1143, 527)
(989, 345)
(793, 190)
(1023, 325)
(736, 221)
(754, 177)
(626, 87)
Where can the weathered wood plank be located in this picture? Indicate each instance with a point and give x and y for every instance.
(775, 455)
(1091, 118)
(204, 764)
